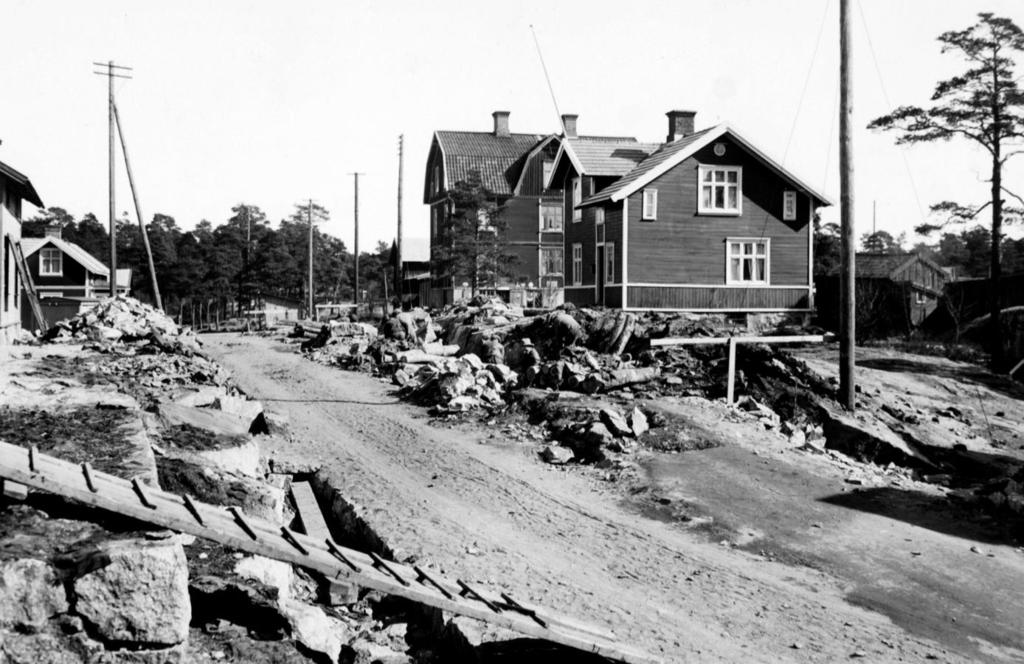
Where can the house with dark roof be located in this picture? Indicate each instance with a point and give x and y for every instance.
(895, 293)
(14, 188)
(704, 222)
(63, 269)
(515, 169)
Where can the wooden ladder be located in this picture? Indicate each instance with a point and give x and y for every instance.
(229, 526)
(30, 286)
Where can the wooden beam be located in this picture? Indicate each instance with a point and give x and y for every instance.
(308, 509)
(268, 539)
(730, 389)
(711, 341)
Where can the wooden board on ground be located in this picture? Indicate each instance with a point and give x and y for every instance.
(309, 511)
(229, 526)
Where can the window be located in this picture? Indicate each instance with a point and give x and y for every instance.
(437, 179)
(721, 189)
(577, 264)
(747, 261)
(484, 221)
(577, 198)
(550, 217)
(434, 214)
(550, 261)
(789, 206)
(51, 262)
(599, 216)
(650, 206)
(609, 263)
(546, 173)
(920, 297)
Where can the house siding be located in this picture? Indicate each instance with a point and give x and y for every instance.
(71, 283)
(684, 247)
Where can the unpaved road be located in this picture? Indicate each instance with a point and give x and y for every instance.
(489, 511)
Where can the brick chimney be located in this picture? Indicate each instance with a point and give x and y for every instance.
(53, 230)
(680, 124)
(569, 124)
(501, 123)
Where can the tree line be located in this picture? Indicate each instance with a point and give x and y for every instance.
(231, 266)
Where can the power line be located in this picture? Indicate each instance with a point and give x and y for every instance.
(885, 96)
(547, 77)
(807, 80)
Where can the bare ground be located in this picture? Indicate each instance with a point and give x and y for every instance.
(487, 510)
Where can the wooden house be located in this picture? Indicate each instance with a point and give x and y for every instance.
(704, 222)
(64, 269)
(14, 188)
(895, 293)
(514, 168)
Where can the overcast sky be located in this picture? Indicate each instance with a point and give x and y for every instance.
(272, 103)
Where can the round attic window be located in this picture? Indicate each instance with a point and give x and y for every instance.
(719, 149)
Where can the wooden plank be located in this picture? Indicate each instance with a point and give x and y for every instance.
(30, 287)
(268, 539)
(308, 508)
(730, 389)
(700, 341)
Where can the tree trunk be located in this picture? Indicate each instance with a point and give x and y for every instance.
(995, 327)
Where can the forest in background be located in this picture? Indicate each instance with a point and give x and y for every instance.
(235, 264)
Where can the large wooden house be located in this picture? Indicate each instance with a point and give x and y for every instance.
(705, 222)
(514, 168)
(14, 188)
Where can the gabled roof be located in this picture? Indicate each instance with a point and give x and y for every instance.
(497, 160)
(31, 245)
(602, 155)
(887, 266)
(674, 153)
(22, 184)
(540, 145)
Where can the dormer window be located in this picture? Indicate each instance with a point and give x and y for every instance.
(546, 167)
(437, 179)
(789, 206)
(721, 190)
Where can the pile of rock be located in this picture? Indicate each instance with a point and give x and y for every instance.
(1006, 494)
(456, 384)
(590, 437)
(125, 319)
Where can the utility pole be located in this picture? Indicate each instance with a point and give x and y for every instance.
(847, 296)
(356, 298)
(111, 75)
(309, 289)
(138, 213)
(398, 242)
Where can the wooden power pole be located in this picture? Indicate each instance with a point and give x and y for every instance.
(397, 281)
(847, 281)
(111, 75)
(309, 287)
(356, 250)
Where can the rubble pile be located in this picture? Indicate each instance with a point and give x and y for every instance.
(456, 384)
(123, 319)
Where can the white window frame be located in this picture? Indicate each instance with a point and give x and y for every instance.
(609, 263)
(789, 205)
(540, 216)
(577, 198)
(919, 297)
(729, 242)
(649, 206)
(704, 170)
(546, 167)
(542, 268)
(577, 264)
(437, 179)
(484, 221)
(43, 261)
(599, 215)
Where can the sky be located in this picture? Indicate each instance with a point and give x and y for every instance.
(274, 103)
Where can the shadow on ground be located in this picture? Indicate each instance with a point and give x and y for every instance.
(934, 513)
(963, 372)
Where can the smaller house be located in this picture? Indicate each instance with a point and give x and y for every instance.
(64, 269)
(281, 308)
(895, 293)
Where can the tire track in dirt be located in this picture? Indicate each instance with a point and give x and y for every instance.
(550, 536)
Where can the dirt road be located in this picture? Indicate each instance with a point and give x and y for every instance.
(488, 510)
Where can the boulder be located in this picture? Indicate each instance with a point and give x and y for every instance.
(314, 629)
(638, 422)
(368, 652)
(246, 409)
(30, 592)
(137, 592)
(39, 648)
(615, 422)
(556, 455)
